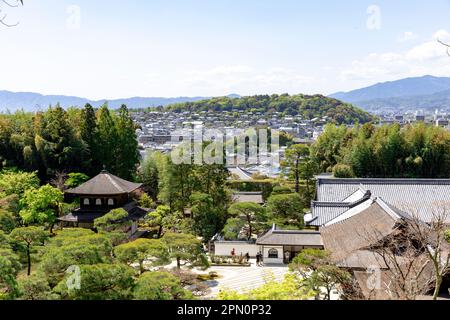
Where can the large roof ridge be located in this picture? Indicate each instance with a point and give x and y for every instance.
(349, 205)
(295, 231)
(362, 181)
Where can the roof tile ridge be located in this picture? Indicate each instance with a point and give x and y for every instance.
(114, 183)
(337, 204)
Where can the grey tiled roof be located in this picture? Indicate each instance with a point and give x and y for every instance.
(326, 211)
(322, 213)
(415, 196)
(291, 238)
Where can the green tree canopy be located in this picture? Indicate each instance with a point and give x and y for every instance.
(296, 156)
(41, 206)
(309, 107)
(127, 153)
(57, 143)
(35, 287)
(107, 139)
(99, 282)
(286, 210)
(17, 183)
(7, 221)
(163, 219)
(73, 247)
(90, 134)
(144, 252)
(185, 249)
(27, 238)
(75, 179)
(251, 218)
(206, 218)
(290, 288)
(160, 286)
(9, 269)
(319, 272)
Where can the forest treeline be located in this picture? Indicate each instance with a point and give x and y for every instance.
(391, 151)
(309, 107)
(74, 140)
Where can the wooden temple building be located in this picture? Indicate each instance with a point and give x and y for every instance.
(99, 196)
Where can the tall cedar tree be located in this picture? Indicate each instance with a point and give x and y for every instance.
(128, 154)
(108, 139)
(90, 136)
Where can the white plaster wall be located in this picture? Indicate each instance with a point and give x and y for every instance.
(224, 248)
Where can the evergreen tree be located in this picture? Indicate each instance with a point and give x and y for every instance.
(108, 139)
(57, 143)
(127, 148)
(89, 134)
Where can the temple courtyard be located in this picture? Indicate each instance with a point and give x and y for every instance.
(242, 279)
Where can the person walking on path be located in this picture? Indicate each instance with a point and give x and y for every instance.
(261, 259)
(258, 257)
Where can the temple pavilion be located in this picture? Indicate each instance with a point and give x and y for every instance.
(99, 196)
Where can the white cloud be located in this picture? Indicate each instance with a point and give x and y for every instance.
(407, 36)
(245, 80)
(441, 35)
(426, 58)
(226, 70)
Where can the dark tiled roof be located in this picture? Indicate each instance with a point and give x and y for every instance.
(291, 238)
(105, 184)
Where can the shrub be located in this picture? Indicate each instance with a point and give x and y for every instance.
(343, 171)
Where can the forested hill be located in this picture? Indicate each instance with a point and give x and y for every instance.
(309, 107)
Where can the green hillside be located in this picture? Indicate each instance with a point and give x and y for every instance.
(307, 106)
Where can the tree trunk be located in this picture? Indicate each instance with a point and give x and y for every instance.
(297, 178)
(328, 297)
(178, 263)
(250, 229)
(437, 288)
(28, 260)
(160, 232)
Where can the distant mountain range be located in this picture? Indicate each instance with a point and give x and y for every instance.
(425, 92)
(30, 101)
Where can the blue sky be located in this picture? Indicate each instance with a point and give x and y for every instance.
(111, 49)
